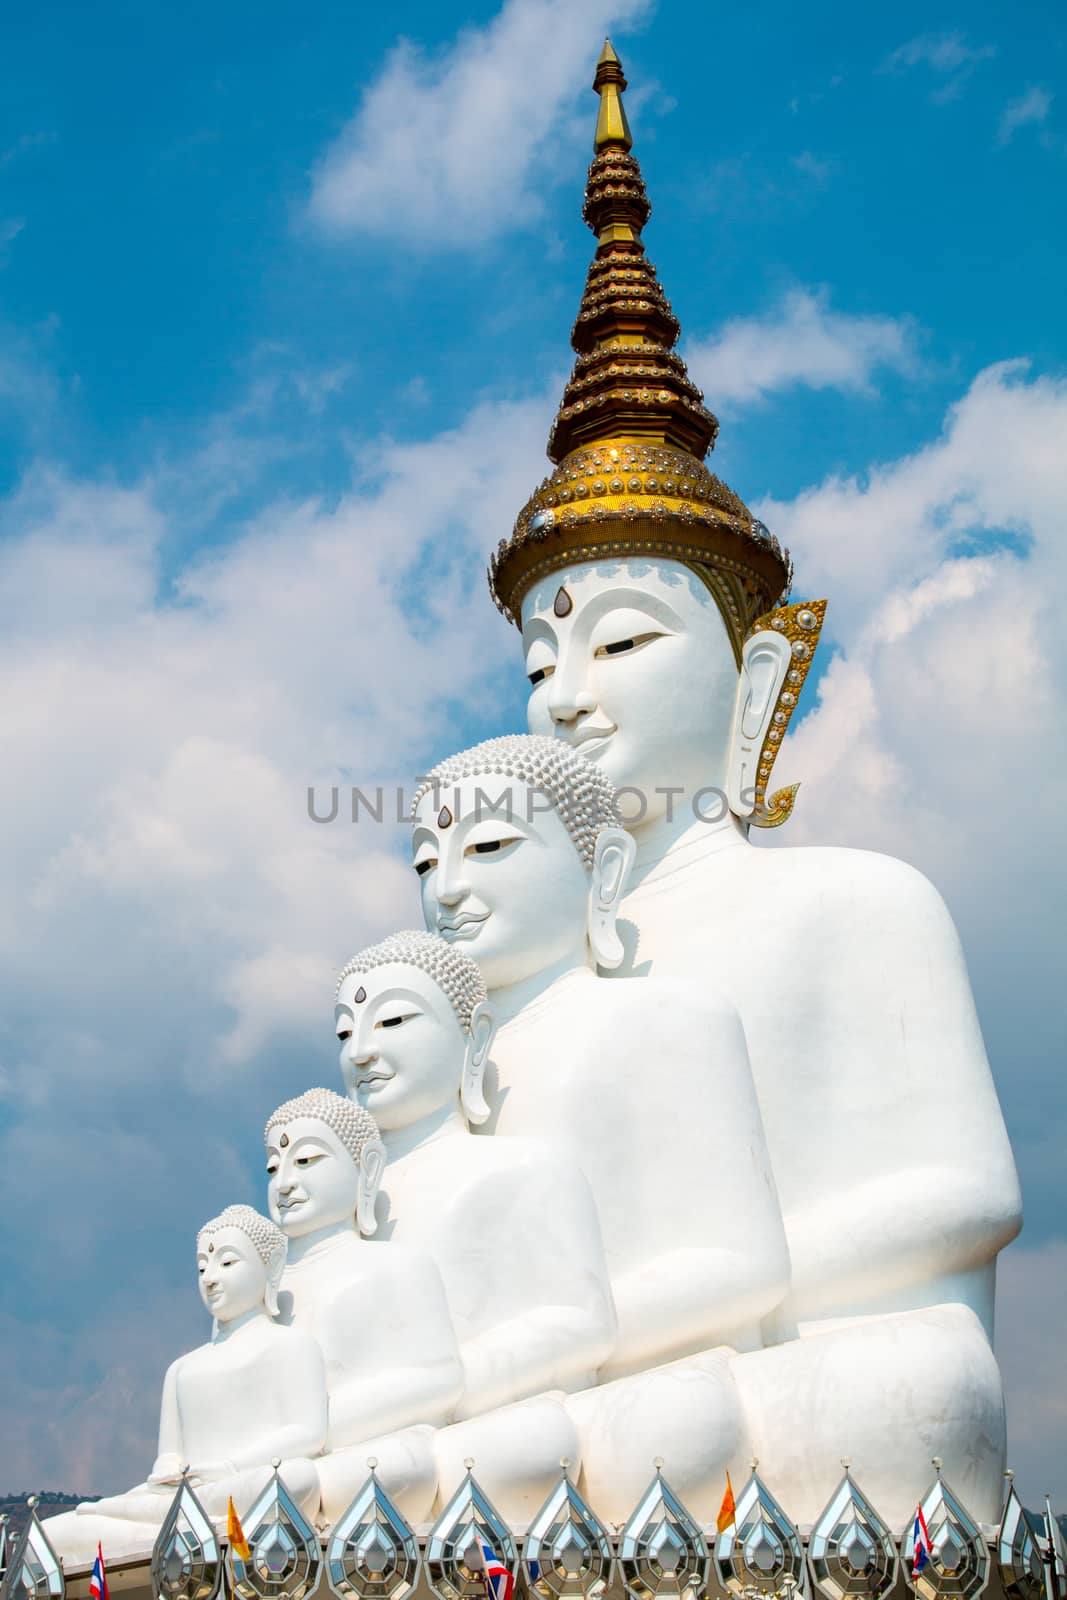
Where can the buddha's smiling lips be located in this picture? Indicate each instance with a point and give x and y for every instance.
(463, 926)
(589, 740)
(372, 1078)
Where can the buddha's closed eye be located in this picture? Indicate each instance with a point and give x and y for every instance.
(620, 647)
(490, 847)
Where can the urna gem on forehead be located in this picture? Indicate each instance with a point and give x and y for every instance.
(579, 792)
(454, 973)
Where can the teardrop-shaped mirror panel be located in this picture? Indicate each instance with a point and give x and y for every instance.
(662, 1553)
(567, 1553)
(34, 1571)
(851, 1550)
(283, 1548)
(372, 1553)
(760, 1552)
(467, 1542)
(186, 1561)
(1057, 1546)
(1022, 1569)
(957, 1567)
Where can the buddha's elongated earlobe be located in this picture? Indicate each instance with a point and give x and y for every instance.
(479, 1043)
(275, 1268)
(371, 1167)
(613, 861)
(764, 664)
(775, 661)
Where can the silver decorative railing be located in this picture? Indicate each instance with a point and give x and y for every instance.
(661, 1552)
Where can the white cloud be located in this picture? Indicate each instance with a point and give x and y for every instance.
(817, 168)
(1031, 107)
(947, 55)
(456, 148)
(801, 343)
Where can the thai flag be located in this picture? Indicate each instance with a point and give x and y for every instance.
(98, 1582)
(920, 1539)
(499, 1582)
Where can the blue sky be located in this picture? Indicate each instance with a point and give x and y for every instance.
(284, 306)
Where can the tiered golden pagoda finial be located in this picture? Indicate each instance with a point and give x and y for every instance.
(611, 124)
(632, 431)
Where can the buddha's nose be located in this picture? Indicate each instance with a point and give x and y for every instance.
(364, 1057)
(568, 697)
(451, 886)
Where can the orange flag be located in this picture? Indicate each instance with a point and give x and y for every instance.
(236, 1534)
(727, 1509)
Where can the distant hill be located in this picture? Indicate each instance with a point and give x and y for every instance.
(52, 1501)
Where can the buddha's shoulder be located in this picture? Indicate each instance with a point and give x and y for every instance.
(849, 878)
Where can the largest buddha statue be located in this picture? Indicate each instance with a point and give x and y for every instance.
(659, 645)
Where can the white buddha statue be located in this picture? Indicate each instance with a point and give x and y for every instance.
(645, 1084)
(378, 1313)
(254, 1393)
(512, 1228)
(648, 599)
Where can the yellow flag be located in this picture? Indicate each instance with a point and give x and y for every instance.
(236, 1534)
(727, 1509)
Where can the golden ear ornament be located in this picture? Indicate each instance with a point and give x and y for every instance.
(801, 626)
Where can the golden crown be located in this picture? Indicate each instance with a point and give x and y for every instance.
(632, 430)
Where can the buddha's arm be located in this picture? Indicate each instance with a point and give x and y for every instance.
(695, 1224)
(924, 1185)
(557, 1324)
(694, 1295)
(169, 1458)
(415, 1374)
(922, 1226)
(294, 1376)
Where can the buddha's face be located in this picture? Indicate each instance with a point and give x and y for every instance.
(402, 1047)
(638, 674)
(233, 1277)
(314, 1183)
(500, 875)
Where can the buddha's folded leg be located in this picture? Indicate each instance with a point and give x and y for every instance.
(687, 1414)
(146, 1502)
(74, 1536)
(516, 1452)
(406, 1470)
(888, 1392)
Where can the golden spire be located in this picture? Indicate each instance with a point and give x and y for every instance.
(632, 431)
(611, 124)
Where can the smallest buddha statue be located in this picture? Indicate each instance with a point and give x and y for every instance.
(255, 1392)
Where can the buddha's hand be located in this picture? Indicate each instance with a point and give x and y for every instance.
(167, 1468)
